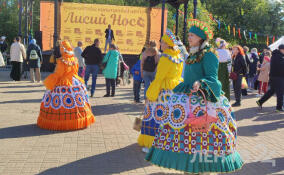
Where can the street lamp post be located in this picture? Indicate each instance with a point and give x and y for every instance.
(195, 9)
(185, 21)
(177, 14)
(163, 17)
(26, 23)
(55, 36)
(20, 17)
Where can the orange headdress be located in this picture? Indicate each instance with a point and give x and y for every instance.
(66, 49)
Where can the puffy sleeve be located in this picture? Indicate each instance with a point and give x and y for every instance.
(54, 78)
(154, 89)
(210, 83)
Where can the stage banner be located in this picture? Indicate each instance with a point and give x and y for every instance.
(132, 26)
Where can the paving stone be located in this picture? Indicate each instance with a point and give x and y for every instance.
(109, 146)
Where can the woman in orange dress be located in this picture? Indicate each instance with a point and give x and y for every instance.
(65, 104)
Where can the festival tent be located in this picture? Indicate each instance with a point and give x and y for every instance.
(277, 43)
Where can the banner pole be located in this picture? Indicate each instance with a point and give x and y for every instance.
(55, 36)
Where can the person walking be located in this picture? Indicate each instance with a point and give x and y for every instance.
(110, 71)
(137, 80)
(225, 59)
(93, 58)
(17, 55)
(109, 37)
(253, 61)
(247, 56)
(263, 77)
(3, 45)
(34, 59)
(78, 54)
(149, 63)
(239, 67)
(276, 76)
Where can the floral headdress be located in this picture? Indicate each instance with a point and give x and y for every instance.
(201, 29)
(169, 38)
(67, 54)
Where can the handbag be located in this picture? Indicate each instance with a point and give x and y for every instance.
(233, 76)
(200, 123)
(103, 65)
(52, 59)
(2, 62)
(137, 125)
(244, 83)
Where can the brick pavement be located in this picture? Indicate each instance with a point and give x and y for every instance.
(109, 146)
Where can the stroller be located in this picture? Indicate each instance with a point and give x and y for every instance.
(26, 69)
(123, 75)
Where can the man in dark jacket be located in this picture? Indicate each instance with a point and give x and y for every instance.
(109, 37)
(246, 50)
(93, 58)
(276, 79)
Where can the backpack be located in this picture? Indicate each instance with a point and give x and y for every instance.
(33, 55)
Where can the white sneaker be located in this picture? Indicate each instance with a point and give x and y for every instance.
(145, 149)
(258, 95)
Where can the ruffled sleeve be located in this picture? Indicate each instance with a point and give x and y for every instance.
(163, 68)
(210, 83)
(53, 79)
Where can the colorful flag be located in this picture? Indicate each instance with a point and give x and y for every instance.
(245, 35)
(229, 29)
(273, 40)
(239, 31)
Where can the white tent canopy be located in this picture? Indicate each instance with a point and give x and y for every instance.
(277, 43)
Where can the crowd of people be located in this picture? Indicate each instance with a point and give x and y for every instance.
(188, 123)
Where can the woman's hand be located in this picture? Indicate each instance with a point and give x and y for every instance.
(196, 86)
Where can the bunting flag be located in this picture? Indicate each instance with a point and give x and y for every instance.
(229, 29)
(245, 35)
(239, 31)
(255, 37)
(267, 41)
(174, 16)
(273, 40)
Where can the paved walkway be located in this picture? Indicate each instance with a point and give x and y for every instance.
(109, 146)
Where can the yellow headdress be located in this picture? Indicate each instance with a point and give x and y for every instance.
(169, 38)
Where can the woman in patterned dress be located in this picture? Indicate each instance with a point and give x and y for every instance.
(65, 104)
(178, 145)
(168, 75)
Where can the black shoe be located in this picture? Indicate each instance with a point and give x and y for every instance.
(236, 104)
(92, 95)
(258, 104)
(112, 95)
(138, 101)
(107, 95)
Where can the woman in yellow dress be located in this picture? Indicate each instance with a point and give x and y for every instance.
(65, 104)
(168, 76)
